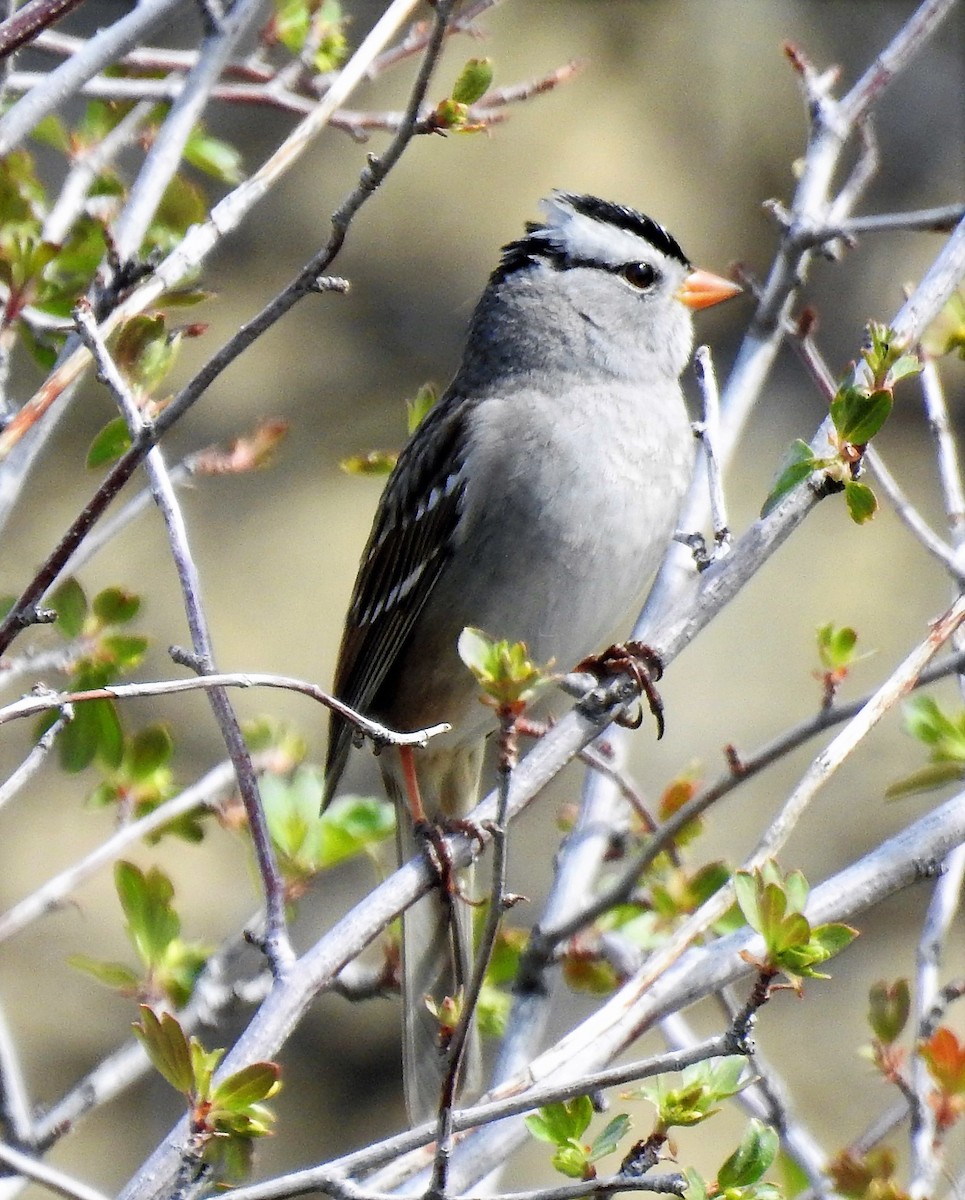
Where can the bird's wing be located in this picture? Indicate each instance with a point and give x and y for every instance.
(410, 542)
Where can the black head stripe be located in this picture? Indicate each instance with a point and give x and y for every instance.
(539, 244)
(629, 219)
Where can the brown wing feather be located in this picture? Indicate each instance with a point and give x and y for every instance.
(410, 542)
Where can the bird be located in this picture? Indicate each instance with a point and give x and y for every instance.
(534, 501)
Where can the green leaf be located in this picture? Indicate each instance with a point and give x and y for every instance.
(861, 500)
(474, 81)
(558, 1123)
(419, 407)
(152, 923)
(95, 732)
(905, 366)
(167, 1048)
(204, 1063)
(832, 938)
(571, 1161)
(502, 669)
(946, 334)
(148, 751)
(115, 606)
(124, 650)
(751, 1159)
(935, 775)
(51, 131)
(112, 974)
(146, 351)
(836, 646)
(799, 463)
(349, 825)
(609, 1139)
(215, 157)
(858, 414)
(889, 1008)
(696, 1187)
(258, 1081)
(926, 721)
(182, 206)
(70, 604)
(108, 446)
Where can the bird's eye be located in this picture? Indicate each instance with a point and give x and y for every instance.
(640, 275)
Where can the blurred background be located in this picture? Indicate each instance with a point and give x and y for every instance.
(690, 112)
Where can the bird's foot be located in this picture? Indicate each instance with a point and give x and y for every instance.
(643, 664)
(438, 854)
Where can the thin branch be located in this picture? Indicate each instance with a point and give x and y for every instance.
(21, 776)
(16, 1109)
(29, 20)
(380, 735)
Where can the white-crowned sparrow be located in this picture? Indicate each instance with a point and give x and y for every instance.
(534, 502)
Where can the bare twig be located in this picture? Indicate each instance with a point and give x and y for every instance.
(28, 21)
(379, 734)
(21, 776)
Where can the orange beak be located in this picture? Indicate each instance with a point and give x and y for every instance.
(701, 289)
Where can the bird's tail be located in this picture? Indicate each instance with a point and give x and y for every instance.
(437, 964)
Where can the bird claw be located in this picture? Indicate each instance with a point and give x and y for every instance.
(439, 856)
(642, 663)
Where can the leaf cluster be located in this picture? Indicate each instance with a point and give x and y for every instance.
(170, 965)
(226, 1117)
(773, 905)
(563, 1126)
(101, 650)
(944, 735)
(859, 408)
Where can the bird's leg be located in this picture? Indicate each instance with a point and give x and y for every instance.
(643, 664)
(433, 833)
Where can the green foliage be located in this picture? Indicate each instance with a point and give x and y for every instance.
(170, 965)
(44, 280)
(858, 410)
(492, 1009)
(214, 156)
(740, 1175)
(319, 24)
(308, 840)
(696, 1095)
(473, 82)
(563, 1126)
(889, 1006)
(419, 407)
(226, 1117)
(944, 735)
(773, 905)
(95, 732)
(143, 780)
(502, 669)
(836, 647)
